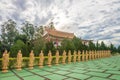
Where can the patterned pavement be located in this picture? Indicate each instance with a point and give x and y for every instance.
(99, 69)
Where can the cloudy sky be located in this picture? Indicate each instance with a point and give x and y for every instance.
(88, 19)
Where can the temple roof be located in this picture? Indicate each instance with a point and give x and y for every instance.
(57, 33)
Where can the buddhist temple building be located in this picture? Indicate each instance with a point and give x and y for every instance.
(51, 34)
(56, 36)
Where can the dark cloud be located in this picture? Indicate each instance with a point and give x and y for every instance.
(20, 4)
(0, 18)
(16, 16)
(45, 3)
(117, 31)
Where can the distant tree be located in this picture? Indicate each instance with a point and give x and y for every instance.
(38, 45)
(29, 30)
(85, 47)
(67, 45)
(19, 45)
(21, 37)
(118, 49)
(0, 49)
(91, 46)
(77, 43)
(103, 46)
(111, 47)
(8, 33)
(39, 32)
(49, 46)
(97, 46)
(51, 25)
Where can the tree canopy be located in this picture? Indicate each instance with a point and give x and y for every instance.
(29, 37)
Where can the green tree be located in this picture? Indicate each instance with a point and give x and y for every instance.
(67, 45)
(8, 33)
(51, 25)
(21, 37)
(29, 30)
(77, 43)
(103, 46)
(19, 45)
(39, 45)
(97, 46)
(39, 32)
(85, 47)
(91, 46)
(113, 49)
(49, 46)
(118, 49)
(0, 49)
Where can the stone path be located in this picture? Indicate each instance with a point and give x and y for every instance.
(100, 69)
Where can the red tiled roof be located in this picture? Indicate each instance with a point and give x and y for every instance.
(57, 33)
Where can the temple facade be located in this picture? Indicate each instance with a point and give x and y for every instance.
(51, 34)
(56, 36)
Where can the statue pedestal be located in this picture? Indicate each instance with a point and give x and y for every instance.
(19, 69)
(30, 67)
(40, 66)
(4, 70)
(56, 64)
(69, 62)
(49, 65)
(63, 63)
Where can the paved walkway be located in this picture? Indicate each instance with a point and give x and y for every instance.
(101, 69)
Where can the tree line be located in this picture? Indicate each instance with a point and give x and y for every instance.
(28, 37)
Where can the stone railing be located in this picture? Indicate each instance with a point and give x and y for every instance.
(65, 58)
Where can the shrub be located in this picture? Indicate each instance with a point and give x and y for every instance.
(19, 45)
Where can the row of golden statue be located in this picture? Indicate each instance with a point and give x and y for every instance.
(77, 56)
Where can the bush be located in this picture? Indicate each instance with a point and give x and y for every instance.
(39, 45)
(67, 45)
(49, 46)
(19, 45)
